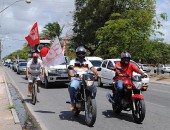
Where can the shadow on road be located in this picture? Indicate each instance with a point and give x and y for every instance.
(68, 115)
(122, 116)
(41, 111)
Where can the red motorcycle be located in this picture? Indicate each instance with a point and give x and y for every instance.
(131, 97)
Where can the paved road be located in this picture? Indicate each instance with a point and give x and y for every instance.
(53, 113)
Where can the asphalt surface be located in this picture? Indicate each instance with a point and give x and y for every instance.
(53, 113)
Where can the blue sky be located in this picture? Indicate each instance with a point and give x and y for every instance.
(17, 20)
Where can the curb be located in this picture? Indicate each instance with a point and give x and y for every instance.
(13, 111)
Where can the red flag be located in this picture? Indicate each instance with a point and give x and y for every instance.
(64, 45)
(46, 37)
(33, 38)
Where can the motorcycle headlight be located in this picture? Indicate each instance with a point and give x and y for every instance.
(138, 85)
(89, 83)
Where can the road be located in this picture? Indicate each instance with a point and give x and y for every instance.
(53, 113)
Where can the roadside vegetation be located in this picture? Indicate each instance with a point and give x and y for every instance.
(107, 27)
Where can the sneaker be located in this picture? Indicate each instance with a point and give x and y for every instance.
(72, 107)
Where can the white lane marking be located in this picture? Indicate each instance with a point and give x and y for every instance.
(159, 90)
(155, 104)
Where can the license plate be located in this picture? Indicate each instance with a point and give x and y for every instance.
(64, 75)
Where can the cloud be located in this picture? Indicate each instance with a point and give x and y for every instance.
(162, 6)
(17, 20)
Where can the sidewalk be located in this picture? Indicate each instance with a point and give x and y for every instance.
(162, 79)
(6, 117)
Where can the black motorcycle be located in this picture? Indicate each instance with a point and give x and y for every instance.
(85, 99)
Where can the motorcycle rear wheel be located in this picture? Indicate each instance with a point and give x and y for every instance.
(139, 113)
(91, 112)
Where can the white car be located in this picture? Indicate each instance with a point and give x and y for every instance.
(107, 72)
(96, 61)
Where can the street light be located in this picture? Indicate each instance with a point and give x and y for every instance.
(27, 1)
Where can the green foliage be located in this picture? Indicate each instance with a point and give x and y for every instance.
(52, 30)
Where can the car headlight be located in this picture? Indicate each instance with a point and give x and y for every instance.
(52, 71)
(89, 83)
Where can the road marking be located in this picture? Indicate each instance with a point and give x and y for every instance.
(155, 104)
(159, 90)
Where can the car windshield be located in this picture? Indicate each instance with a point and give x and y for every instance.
(23, 64)
(96, 63)
(167, 65)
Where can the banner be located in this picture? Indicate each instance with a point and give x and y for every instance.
(55, 55)
(64, 45)
(33, 38)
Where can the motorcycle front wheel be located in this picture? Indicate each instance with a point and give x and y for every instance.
(91, 111)
(139, 113)
(116, 109)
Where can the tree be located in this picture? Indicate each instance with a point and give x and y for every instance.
(129, 28)
(52, 30)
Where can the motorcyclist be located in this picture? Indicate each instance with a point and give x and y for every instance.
(122, 68)
(78, 66)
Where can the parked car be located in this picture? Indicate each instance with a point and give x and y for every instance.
(21, 69)
(107, 72)
(162, 68)
(145, 68)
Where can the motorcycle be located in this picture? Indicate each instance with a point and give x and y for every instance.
(85, 98)
(131, 97)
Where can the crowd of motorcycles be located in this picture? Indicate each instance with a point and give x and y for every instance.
(130, 100)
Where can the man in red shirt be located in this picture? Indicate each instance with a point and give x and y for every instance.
(127, 68)
(44, 51)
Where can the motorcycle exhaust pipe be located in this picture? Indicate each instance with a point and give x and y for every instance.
(109, 98)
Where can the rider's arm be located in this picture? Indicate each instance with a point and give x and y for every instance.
(94, 70)
(27, 72)
(71, 71)
(42, 72)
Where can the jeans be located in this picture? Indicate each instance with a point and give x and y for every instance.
(74, 85)
(119, 88)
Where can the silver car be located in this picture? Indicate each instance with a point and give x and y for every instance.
(21, 69)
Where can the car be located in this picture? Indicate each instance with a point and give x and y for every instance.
(21, 69)
(16, 64)
(96, 61)
(161, 68)
(144, 67)
(107, 73)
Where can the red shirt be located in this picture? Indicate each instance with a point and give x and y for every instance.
(128, 69)
(44, 51)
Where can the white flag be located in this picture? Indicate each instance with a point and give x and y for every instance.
(55, 55)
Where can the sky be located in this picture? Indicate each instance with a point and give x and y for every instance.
(17, 20)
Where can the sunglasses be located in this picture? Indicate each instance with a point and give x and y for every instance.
(81, 53)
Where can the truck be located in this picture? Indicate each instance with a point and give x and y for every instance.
(57, 74)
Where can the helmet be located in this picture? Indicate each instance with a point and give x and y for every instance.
(80, 52)
(35, 55)
(125, 57)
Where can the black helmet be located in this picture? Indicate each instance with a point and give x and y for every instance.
(80, 52)
(125, 57)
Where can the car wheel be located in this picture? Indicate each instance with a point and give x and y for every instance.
(162, 71)
(154, 71)
(100, 84)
